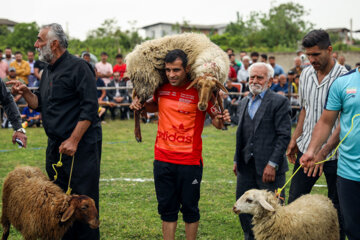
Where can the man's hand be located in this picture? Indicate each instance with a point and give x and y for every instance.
(69, 146)
(307, 160)
(21, 136)
(234, 169)
(18, 88)
(291, 151)
(269, 174)
(135, 104)
(320, 156)
(225, 116)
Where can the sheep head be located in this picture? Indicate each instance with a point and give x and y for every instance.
(253, 201)
(82, 208)
(206, 84)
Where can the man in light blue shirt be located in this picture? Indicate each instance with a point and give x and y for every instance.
(278, 70)
(343, 97)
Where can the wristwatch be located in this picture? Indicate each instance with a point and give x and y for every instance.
(22, 130)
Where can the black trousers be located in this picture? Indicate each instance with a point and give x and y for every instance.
(349, 196)
(248, 179)
(302, 184)
(84, 180)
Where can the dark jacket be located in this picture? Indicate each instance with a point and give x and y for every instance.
(272, 132)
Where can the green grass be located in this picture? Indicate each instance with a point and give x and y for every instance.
(128, 210)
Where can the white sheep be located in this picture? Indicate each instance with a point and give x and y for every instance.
(310, 217)
(38, 208)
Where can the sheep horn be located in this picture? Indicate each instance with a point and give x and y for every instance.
(192, 83)
(266, 205)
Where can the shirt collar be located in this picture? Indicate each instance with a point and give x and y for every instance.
(58, 61)
(262, 94)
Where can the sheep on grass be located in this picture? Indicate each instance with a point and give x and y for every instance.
(310, 217)
(209, 67)
(39, 209)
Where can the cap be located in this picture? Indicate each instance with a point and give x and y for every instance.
(12, 69)
(291, 72)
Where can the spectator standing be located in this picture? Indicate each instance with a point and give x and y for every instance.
(4, 67)
(342, 63)
(315, 82)
(243, 73)
(8, 56)
(12, 111)
(86, 56)
(18, 99)
(178, 164)
(33, 82)
(263, 58)
(232, 74)
(120, 66)
(233, 62)
(22, 67)
(229, 101)
(261, 138)
(278, 70)
(254, 57)
(343, 98)
(104, 69)
(70, 119)
(38, 69)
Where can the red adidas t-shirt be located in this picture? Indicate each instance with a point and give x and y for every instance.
(180, 125)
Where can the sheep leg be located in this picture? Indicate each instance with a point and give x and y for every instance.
(220, 103)
(137, 130)
(6, 227)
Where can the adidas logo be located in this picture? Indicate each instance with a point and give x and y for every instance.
(195, 181)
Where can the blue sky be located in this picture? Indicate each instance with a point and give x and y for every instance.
(80, 16)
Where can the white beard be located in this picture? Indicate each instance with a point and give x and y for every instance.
(45, 53)
(256, 89)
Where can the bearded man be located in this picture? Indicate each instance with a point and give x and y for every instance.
(261, 139)
(68, 103)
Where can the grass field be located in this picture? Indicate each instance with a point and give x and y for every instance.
(128, 207)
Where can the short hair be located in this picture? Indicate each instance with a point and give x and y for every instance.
(271, 57)
(56, 32)
(31, 52)
(18, 52)
(270, 70)
(86, 54)
(243, 52)
(229, 49)
(318, 38)
(357, 64)
(119, 55)
(104, 53)
(231, 55)
(264, 56)
(175, 54)
(254, 54)
(9, 48)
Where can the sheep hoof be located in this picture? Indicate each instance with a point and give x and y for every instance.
(138, 139)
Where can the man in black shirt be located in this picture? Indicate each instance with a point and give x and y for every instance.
(13, 114)
(67, 101)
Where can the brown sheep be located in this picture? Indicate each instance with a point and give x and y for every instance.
(38, 208)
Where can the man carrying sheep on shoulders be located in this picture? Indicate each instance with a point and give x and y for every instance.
(68, 103)
(178, 159)
(261, 139)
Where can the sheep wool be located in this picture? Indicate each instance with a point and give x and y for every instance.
(36, 206)
(310, 217)
(145, 64)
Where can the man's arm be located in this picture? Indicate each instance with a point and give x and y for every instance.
(69, 146)
(320, 134)
(20, 88)
(37, 73)
(292, 148)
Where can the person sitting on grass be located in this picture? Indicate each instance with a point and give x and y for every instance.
(30, 117)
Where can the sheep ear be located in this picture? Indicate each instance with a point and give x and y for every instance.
(192, 83)
(221, 86)
(68, 213)
(266, 205)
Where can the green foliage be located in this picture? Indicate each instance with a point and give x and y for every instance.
(282, 27)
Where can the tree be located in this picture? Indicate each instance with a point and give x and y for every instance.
(23, 37)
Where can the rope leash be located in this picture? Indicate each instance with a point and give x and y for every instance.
(60, 164)
(279, 190)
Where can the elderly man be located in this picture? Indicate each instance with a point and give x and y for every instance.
(314, 85)
(262, 136)
(67, 101)
(13, 114)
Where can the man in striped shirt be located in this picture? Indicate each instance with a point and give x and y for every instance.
(315, 82)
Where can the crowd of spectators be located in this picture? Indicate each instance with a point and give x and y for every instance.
(116, 101)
